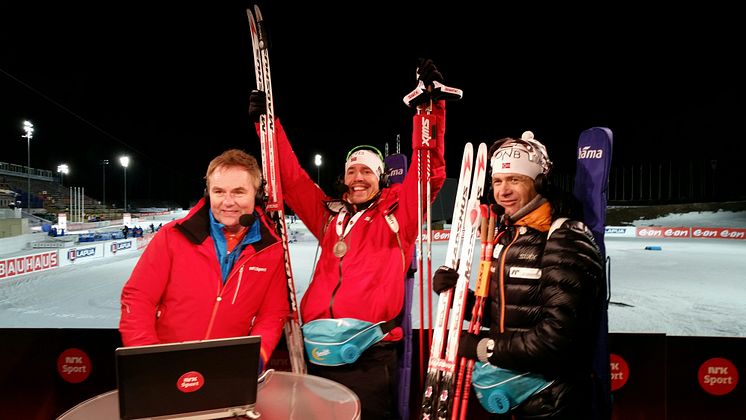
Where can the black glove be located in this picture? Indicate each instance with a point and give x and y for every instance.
(444, 279)
(257, 105)
(427, 72)
(467, 345)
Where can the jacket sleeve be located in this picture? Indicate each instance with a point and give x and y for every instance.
(142, 293)
(408, 198)
(572, 276)
(299, 191)
(272, 313)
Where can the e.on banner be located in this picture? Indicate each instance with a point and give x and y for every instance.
(663, 232)
(646, 232)
(694, 232)
(438, 235)
(28, 264)
(718, 233)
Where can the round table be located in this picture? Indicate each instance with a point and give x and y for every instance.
(281, 396)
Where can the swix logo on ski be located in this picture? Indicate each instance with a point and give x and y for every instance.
(257, 269)
(425, 132)
(586, 153)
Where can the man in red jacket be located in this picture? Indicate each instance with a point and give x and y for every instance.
(367, 241)
(216, 273)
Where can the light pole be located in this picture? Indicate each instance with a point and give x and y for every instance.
(28, 128)
(317, 162)
(63, 170)
(104, 162)
(125, 161)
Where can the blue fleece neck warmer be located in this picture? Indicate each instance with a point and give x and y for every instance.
(227, 259)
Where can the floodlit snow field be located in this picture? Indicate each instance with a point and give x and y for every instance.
(691, 287)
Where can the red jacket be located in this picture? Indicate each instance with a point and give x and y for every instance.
(368, 282)
(176, 292)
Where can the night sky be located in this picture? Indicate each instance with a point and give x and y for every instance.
(148, 80)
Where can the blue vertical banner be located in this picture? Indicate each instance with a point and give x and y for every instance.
(396, 169)
(591, 189)
(592, 179)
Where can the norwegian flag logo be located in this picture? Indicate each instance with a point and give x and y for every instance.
(353, 159)
(506, 165)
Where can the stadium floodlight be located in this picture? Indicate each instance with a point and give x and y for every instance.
(125, 162)
(28, 129)
(63, 170)
(317, 162)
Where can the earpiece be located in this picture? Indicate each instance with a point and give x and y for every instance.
(383, 180)
(260, 200)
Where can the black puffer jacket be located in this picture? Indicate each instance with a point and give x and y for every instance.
(548, 314)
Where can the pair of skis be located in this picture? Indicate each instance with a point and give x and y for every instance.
(481, 292)
(438, 396)
(275, 205)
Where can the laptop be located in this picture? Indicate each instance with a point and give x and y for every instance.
(208, 379)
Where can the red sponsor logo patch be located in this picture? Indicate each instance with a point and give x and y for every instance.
(190, 382)
(74, 365)
(619, 371)
(718, 376)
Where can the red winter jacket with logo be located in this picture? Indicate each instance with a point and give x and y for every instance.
(176, 291)
(368, 282)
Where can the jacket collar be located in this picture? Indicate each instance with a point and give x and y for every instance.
(196, 225)
(539, 219)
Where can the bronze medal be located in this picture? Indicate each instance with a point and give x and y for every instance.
(340, 249)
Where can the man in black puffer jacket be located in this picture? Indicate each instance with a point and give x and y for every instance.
(543, 293)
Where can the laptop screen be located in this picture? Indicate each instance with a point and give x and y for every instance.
(205, 379)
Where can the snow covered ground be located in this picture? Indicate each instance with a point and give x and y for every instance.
(691, 287)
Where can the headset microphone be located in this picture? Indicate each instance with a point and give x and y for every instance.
(340, 187)
(246, 220)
